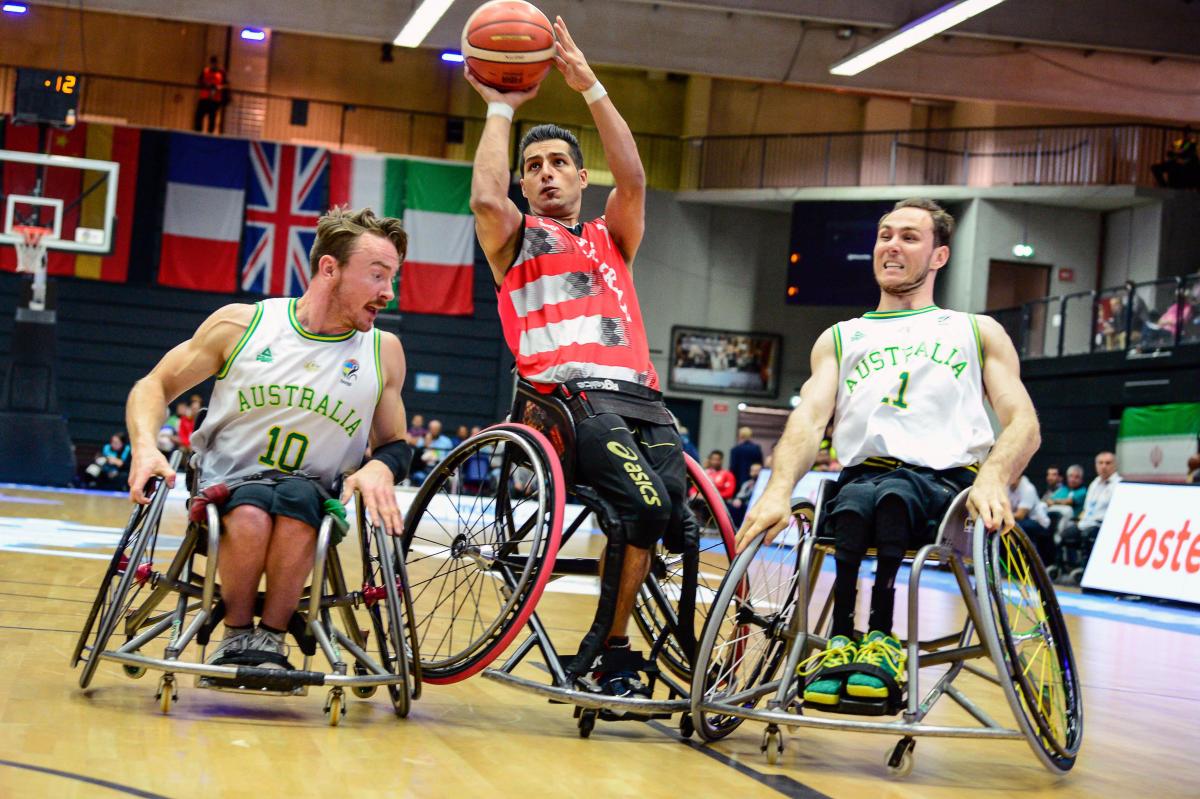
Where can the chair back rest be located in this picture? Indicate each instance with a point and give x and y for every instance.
(549, 415)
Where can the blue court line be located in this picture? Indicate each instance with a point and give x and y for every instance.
(62, 490)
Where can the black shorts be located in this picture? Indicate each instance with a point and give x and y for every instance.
(295, 498)
(638, 467)
(924, 494)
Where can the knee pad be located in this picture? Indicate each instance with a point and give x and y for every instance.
(649, 525)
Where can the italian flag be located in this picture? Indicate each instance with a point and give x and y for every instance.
(433, 198)
(1154, 442)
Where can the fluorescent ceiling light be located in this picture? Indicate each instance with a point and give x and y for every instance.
(912, 34)
(453, 57)
(254, 34)
(421, 22)
(15, 8)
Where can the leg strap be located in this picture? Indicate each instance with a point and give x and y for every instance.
(685, 628)
(610, 582)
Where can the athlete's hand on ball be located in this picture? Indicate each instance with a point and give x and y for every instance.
(147, 463)
(988, 500)
(375, 485)
(490, 95)
(772, 514)
(569, 59)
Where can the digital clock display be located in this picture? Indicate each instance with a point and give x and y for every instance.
(44, 95)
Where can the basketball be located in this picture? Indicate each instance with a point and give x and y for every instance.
(508, 45)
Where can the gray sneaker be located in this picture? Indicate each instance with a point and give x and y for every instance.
(268, 643)
(235, 640)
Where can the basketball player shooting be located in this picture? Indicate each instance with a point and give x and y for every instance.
(570, 315)
(905, 386)
(302, 386)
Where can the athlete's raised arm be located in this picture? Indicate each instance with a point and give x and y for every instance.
(189, 363)
(625, 211)
(375, 480)
(797, 448)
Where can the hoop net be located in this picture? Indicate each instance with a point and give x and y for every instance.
(31, 249)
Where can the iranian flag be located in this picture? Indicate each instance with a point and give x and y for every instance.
(1154, 442)
(433, 198)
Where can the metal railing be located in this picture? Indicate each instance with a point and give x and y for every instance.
(1139, 319)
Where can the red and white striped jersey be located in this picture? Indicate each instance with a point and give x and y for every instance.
(569, 309)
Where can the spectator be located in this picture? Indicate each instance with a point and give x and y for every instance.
(721, 477)
(1181, 168)
(1032, 517)
(185, 424)
(437, 442)
(416, 430)
(1069, 498)
(688, 446)
(1053, 481)
(460, 435)
(745, 453)
(1076, 538)
(110, 469)
(1193, 466)
(822, 462)
(741, 500)
(214, 92)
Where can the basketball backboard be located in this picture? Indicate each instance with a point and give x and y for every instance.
(76, 198)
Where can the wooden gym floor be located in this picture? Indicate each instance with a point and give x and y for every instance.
(1139, 666)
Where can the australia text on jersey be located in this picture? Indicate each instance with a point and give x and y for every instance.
(272, 395)
(877, 360)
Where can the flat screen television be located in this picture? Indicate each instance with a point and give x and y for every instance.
(724, 362)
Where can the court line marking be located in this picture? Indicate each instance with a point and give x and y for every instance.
(112, 786)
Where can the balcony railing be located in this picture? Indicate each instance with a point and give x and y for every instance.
(1140, 319)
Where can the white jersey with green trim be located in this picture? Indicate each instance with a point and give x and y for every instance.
(290, 400)
(910, 387)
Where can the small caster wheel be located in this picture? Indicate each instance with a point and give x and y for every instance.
(335, 706)
(772, 745)
(687, 728)
(587, 723)
(134, 672)
(166, 693)
(364, 691)
(795, 711)
(900, 762)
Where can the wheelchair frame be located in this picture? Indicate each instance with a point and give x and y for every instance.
(385, 593)
(959, 544)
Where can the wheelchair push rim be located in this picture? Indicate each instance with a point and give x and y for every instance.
(1026, 631)
(492, 555)
(717, 552)
(389, 617)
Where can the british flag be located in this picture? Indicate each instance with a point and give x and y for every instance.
(287, 192)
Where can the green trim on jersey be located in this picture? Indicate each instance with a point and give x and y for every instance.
(898, 314)
(378, 366)
(313, 336)
(245, 339)
(837, 344)
(978, 337)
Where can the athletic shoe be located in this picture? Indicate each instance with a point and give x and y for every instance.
(882, 651)
(235, 641)
(827, 690)
(272, 648)
(620, 682)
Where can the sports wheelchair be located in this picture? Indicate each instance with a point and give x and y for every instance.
(759, 632)
(139, 604)
(484, 536)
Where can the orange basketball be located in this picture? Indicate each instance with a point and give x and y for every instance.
(508, 45)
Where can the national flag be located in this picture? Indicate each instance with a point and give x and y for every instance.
(366, 180)
(1154, 442)
(438, 275)
(87, 140)
(202, 218)
(287, 193)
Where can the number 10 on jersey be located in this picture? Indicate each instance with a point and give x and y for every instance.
(291, 453)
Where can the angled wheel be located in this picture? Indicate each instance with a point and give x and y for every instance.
(1024, 629)
(480, 541)
(745, 637)
(124, 578)
(657, 604)
(394, 633)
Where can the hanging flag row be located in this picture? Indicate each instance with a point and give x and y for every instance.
(243, 215)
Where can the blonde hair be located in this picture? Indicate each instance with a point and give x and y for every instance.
(339, 230)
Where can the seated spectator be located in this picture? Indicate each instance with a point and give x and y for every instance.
(743, 454)
(1053, 481)
(460, 435)
(1032, 517)
(688, 446)
(1068, 498)
(435, 445)
(1076, 538)
(185, 424)
(741, 500)
(416, 430)
(110, 470)
(721, 477)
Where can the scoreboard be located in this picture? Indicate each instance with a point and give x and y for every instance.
(48, 96)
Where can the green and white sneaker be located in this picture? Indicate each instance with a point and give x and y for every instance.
(884, 652)
(827, 691)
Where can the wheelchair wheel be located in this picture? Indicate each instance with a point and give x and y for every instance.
(480, 542)
(127, 573)
(658, 599)
(390, 611)
(1027, 636)
(746, 636)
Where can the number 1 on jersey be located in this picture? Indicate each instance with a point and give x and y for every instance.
(898, 400)
(268, 457)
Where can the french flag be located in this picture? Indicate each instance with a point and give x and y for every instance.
(202, 218)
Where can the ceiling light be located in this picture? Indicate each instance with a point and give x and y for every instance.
(421, 22)
(912, 34)
(453, 57)
(14, 8)
(253, 34)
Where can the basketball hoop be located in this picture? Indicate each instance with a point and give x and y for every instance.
(31, 249)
